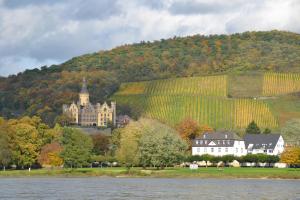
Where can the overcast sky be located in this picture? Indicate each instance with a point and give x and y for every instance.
(44, 32)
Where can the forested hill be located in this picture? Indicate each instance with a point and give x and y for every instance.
(42, 92)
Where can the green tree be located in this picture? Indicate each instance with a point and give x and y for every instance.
(128, 145)
(252, 128)
(161, 146)
(101, 144)
(77, 148)
(5, 151)
(267, 131)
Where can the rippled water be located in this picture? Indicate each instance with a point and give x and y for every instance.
(147, 188)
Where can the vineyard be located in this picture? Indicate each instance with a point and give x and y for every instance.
(207, 86)
(280, 83)
(203, 99)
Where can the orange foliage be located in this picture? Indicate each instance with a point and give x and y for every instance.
(190, 129)
(49, 155)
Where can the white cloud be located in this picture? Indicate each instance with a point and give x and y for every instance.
(34, 33)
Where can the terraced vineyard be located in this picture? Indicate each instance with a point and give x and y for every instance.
(203, 99)
(280, 83)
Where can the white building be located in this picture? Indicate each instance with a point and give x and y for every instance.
(270, 144)
(219, 144)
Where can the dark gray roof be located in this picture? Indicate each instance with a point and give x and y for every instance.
(216, 139)
(226, 135)
(84, 87)
(261, 141)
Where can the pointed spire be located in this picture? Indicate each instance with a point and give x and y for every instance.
(84, 87)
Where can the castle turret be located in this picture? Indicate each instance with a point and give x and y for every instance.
(84, 98)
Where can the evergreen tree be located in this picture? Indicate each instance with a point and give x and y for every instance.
(252, 128)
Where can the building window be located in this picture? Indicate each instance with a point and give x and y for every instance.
(212, 150)
(205, 141)
(219, 149)
(218, 141)
(270, 151)
(196, 141)
(242, 150)
(228, 142)
(226, 150)
(236, 150)
(223, 141)
(198, 150)
(205, 149)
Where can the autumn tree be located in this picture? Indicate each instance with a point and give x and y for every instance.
(5, 150)
(190, 129)
(50, 155)
(26, 144)
(291, 156)
(128, 146)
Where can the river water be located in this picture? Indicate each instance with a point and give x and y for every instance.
(147, 188)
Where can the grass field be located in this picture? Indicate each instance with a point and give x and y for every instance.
(211, 172)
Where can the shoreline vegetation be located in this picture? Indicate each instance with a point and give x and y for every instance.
(136, 172)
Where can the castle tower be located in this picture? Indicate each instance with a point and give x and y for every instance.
(84, 98)
(114, 117)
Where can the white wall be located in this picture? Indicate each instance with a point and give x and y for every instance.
(238, 149)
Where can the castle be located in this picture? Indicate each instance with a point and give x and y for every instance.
(84, 113)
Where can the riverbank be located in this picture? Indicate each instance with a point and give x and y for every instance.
(211, 172)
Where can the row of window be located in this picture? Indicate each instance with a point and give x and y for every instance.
(218, 142)
(219, 150)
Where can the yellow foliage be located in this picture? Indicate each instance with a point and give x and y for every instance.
(291, 155)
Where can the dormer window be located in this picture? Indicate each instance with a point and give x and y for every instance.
(225, 136)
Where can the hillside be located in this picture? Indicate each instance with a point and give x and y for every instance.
(218, 101)
(42, 92)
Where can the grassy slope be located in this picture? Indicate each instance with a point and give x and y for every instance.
(210, 172)
(205, 99)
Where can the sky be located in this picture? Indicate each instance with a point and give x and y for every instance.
(35, 33)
